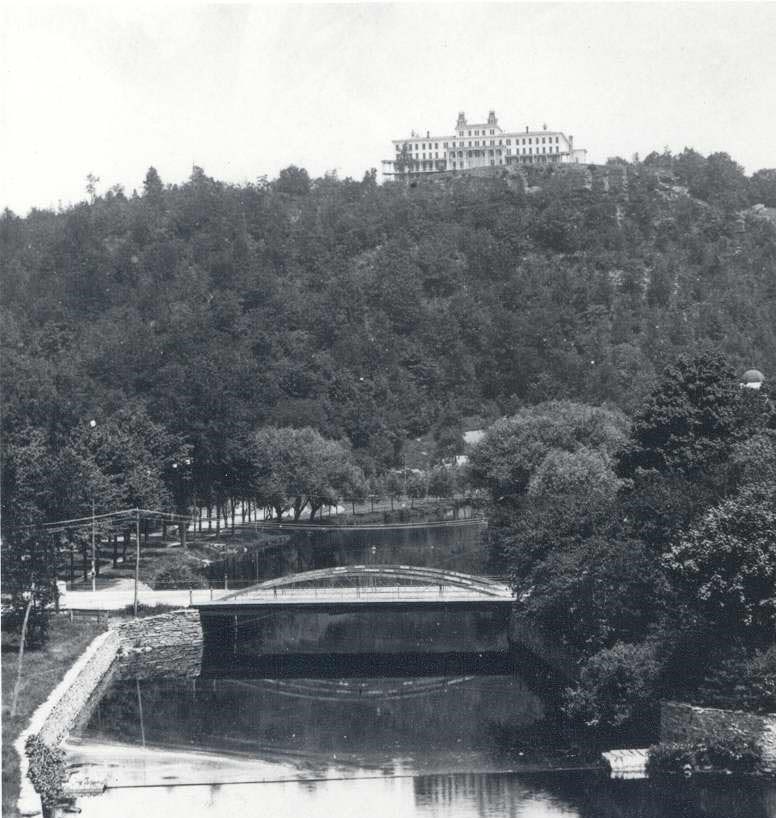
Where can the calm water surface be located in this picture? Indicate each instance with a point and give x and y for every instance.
(392, 746)
(485, 796)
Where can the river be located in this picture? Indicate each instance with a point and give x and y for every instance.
(395, 745)
(436, 737)
(451, 545)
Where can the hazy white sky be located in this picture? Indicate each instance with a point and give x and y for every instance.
(244, 90)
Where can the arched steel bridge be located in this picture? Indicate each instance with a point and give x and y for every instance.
(361, 586)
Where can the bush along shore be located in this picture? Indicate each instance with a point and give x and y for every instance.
(728, 756)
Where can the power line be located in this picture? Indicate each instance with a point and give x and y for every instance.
(81, 522)
(74, 520)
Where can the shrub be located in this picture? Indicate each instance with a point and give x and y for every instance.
(741, 681)
(733, 755)
(47, 772)
(670, 758)
(616, 686)
(736, 755)
(762, 680)
(179, 571)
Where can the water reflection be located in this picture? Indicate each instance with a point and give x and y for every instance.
(394, 745)
(421, 724)
(455, 548)
(453, 796)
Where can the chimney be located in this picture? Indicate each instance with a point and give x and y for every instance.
(492, 118)
(461, 120)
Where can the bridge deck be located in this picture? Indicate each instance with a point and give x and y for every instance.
(387, 596)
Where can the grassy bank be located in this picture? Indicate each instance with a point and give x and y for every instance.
(42, 670)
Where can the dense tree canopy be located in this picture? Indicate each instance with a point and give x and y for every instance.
(542, 449)
(371, 313)
(649, 548)
(297, 468)
(727, 562)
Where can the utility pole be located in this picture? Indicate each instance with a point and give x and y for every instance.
(137, 554)
(17, 686)
(93, 425)
(94, 559)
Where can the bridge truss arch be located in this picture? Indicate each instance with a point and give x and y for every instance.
(378, 575)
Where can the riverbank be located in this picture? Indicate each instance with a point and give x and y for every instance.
(42, 671)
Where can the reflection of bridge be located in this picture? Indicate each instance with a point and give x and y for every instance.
(366, 587)
(358, 690)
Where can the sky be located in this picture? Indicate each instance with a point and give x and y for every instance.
(245, 90)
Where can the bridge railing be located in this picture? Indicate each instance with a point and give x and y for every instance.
(388, 592)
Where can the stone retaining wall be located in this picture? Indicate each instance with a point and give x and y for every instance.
(684, 723)
(60, 712)
(161, 647)
(174, 628)
(166, 645)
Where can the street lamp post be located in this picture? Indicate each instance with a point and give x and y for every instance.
(94, 554)
(182, 478)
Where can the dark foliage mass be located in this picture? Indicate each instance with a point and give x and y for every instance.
(649, 552)
(372, 313)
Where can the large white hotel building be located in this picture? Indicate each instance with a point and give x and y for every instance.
(479, 145)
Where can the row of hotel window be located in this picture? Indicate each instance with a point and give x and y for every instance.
(477, 133)
(441, 165)
(490, 152)
(422, 145)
